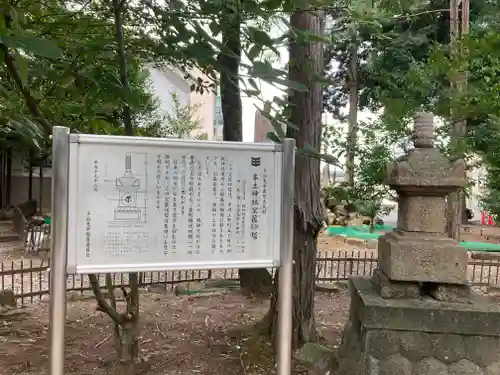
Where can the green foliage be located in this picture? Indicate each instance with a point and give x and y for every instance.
(405, 66)
(373, 151)
(373, 207)
(364, 199)
(80, 88)
(187, 35)
(491, 199)
(182, 121)
(372, 171)
(344, 194)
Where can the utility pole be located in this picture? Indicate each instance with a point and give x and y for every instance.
(456, 201)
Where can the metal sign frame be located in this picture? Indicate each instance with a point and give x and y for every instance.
(76, 140)
(60, 247)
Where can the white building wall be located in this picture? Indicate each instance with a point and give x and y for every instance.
(478, 178)
(166, 81)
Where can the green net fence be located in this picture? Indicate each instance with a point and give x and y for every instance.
(363, 232)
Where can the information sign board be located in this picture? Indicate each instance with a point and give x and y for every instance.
(147, 204)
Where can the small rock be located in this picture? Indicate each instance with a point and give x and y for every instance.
(318, 358)
(356, 222)
(330, 218)
(7, 298)
(157, 289)
(331, 287)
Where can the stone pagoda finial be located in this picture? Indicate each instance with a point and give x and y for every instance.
(423, 130)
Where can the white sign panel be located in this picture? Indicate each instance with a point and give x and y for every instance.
(139, 204)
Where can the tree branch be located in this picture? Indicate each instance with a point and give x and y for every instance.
(66, 71)
(31, 102)
(116, 326)
(102, 304)
(133, 297)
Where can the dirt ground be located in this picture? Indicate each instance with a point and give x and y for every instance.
(180, 335)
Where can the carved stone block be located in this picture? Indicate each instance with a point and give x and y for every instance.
(422, 214)
(407, 256)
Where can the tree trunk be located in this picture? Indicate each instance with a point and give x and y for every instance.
(126, 324)
(40, 189)
(252, 281)
(306, 63)
(130, 323)
(456, 201)
(465, 217)
(352, 133)
(118, 6)
(30, 176)
(8, 179)
(130, 326)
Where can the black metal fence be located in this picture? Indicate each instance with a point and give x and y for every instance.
(29, 279)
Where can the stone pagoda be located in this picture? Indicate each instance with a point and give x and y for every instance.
(417, 315)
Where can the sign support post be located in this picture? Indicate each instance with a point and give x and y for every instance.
(60, 179)
(285, 292)
(218, 185)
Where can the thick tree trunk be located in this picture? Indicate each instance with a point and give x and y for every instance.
(8, 179)
(352, 135)
(456, 201)
(30, 176)
(40, 189)
(306, 63)
(252, 281)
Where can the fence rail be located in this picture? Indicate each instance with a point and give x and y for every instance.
(29, 280)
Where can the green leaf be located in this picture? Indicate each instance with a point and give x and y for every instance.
(280, 101)
(100, 126)
(22, 67)
(214, 28)
(330, 159)
(263, 70)
(251, 93)
(278, 128)
(310, 151)
(273, 137)
(35, 45)
(2, 22)
(254, 85)
(307, 36)
(254, 52)
(291, 125)
(291, 84)
(260, 37)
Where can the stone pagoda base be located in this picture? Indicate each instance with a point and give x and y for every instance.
(418, 336)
